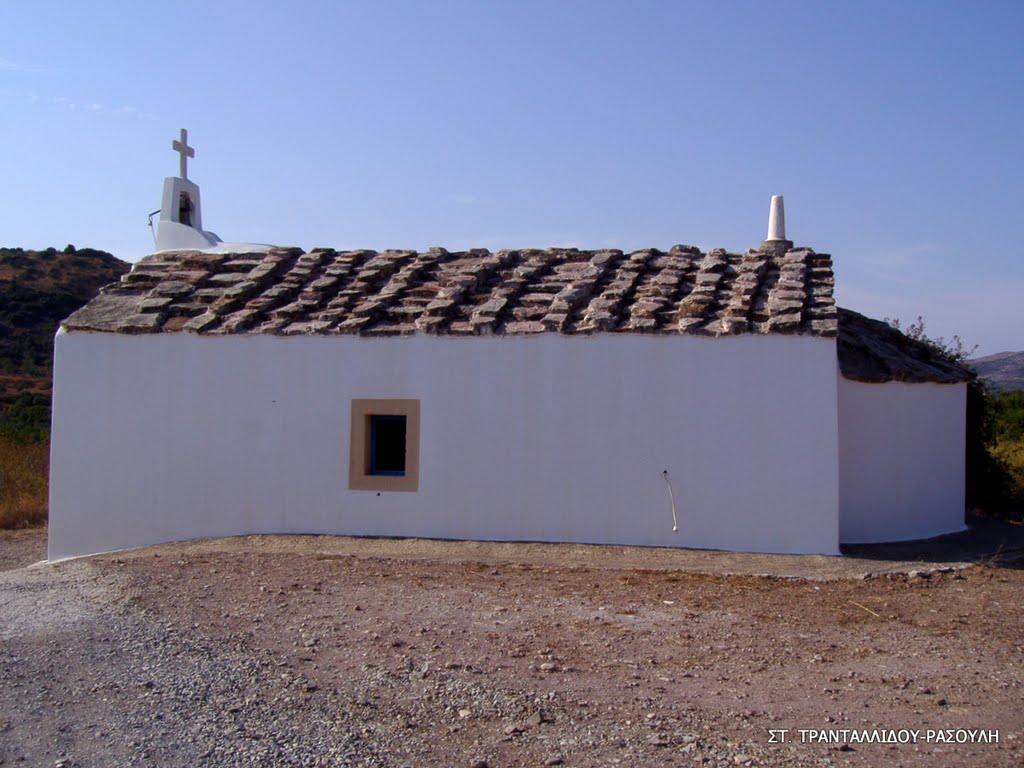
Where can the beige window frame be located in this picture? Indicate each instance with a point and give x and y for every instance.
(359, 477)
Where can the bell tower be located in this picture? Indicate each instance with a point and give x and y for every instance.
(180, 226)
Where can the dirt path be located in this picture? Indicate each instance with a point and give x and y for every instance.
(21, 548)
(325, 651)
(986, 541)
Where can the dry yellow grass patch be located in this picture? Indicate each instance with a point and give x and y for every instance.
(24, 473)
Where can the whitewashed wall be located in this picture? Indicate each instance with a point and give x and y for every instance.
(545, 438)
(901, 457)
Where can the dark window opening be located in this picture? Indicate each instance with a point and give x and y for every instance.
(387, 445)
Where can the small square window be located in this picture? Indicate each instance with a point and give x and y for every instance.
(384, 447)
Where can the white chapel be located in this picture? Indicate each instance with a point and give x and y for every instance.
(666, 397)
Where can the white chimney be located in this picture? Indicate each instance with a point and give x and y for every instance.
(776, 220)
(776, 240)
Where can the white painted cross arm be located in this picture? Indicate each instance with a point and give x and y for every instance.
(184, 151)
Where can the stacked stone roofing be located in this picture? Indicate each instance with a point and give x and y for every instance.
(563, 290)
(873, 351)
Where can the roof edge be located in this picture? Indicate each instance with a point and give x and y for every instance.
(873, 352)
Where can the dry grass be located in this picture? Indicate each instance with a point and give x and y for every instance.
(24, 473)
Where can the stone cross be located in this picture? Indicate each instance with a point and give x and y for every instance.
(184, 151)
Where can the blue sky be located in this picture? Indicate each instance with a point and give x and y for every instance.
(892, 128)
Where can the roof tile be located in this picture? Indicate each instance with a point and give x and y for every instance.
(563, 290)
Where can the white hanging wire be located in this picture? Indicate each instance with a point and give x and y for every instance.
(672, 498)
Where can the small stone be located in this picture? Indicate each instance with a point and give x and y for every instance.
(512, 730)
(492, 306)
(480, 764)
(549, 666)
(464, 713)
(174, 288)
(200, 323)
(535, 719)
(742, 759)
(845, 748)
(141, 323)
(223, 279)
(554, 761)
(941, 702)
(154, 304)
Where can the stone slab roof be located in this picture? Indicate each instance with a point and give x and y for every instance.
(873, 351)
(563, 290)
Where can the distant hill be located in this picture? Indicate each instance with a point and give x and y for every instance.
(1002, 371)
(38, 289)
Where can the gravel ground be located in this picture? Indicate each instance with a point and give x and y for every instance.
(21, 548)
(324, 651)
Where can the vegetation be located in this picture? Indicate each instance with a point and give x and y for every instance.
(953, 351)
(1007, 443)
(24, 473)
(991, 488)
(38, 289)
(1008, 415)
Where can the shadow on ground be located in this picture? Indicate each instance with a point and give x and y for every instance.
(993, 542)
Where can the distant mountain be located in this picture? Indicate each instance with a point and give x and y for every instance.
(38, 289)
(1002, 371)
